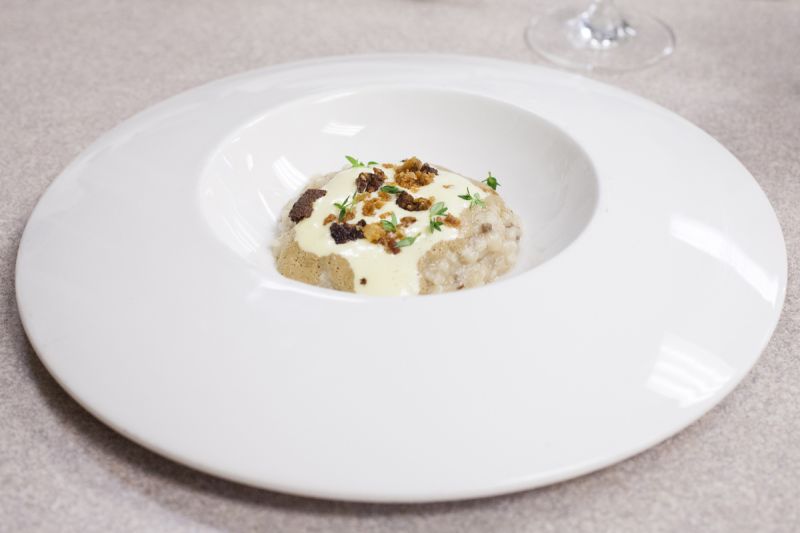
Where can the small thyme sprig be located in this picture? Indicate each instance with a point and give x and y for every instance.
(437, 210)
(390, 226)
(473, 199)
(345, 206)
(355, 163)
(391, 189)
(408, 241)
(492, 182)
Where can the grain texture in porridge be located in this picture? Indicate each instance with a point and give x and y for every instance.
(485, 249)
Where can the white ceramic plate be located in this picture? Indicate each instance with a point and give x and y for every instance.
(652, 275)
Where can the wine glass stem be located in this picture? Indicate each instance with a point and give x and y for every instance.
(603, 25)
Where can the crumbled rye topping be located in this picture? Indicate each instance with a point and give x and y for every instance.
(370, 181)
(345, 232)
(304, 205)
(409, 203)
(411, 175)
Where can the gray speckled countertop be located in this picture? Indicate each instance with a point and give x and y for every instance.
(72, 70)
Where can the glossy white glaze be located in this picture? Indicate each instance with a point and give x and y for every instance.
(141, 288)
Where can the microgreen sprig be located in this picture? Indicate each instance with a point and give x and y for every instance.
(345, 206)
(492, 182)
(390, 226)
(408, 241)
(473, 199)
(355, 163)
(391, 189)
(437, 210)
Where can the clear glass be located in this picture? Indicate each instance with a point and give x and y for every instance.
(599, 36)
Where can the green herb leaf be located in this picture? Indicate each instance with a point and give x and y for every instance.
(391, 189)
(437, 210)
(344, 206)
(408, 241)
(473, 199)
(390, 225)
(492, 182)
(355, 163)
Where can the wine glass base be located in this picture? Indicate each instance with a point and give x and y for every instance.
(564, 37)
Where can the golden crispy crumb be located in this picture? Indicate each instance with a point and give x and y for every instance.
(406, 179)
(385, 214)
(390, 244)
(350, 215)
(374, 232)
(452, 221)
(371, 206)
(407, 221)
(413, 174)
(412, 163)
(384, 195)
(328, 219)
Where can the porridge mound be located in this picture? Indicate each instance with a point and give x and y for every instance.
(397, 229)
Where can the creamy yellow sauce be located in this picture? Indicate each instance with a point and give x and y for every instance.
(386, 274)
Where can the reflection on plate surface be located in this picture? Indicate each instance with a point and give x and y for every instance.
(687, 372)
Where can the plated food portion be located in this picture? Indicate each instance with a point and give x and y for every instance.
(397, 229)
